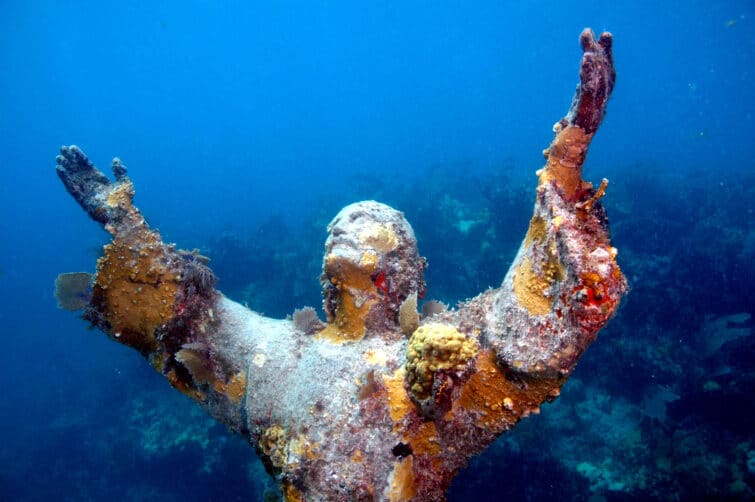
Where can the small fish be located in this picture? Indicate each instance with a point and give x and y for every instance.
(73, 290)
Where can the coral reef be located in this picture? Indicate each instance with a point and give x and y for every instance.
(356, 410)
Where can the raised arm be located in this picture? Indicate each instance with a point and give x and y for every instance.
(565, 283)
(375, 403)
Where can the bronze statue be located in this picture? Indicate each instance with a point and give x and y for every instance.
(378, 402)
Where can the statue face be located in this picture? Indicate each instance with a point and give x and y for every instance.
(370, 254)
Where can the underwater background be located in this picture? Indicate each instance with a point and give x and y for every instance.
(247, 125)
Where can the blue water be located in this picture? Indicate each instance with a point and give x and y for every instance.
(246, 127)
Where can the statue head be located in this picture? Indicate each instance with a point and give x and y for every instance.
(371, 266)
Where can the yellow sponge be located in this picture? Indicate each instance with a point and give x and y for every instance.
(433, 348)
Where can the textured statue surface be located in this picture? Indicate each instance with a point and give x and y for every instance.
(377, 402)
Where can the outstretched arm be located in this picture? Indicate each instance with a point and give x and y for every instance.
(155, 298)
(565, 283)
(373, 404)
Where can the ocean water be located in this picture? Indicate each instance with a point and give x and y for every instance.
(247, 125)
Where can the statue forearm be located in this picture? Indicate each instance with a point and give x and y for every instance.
(374, 403)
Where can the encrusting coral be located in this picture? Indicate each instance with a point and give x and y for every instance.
(436, 348)
(356, 409)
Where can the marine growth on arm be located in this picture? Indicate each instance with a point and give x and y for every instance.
(376, 402)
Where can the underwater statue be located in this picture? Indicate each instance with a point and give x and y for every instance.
(377, 402)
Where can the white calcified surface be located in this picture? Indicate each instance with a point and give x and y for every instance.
(310, 387)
